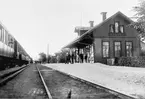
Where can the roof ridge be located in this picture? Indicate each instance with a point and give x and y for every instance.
(114, 15)
(96, 26)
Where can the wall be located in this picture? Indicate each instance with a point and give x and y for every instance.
(97, 50)
(102, 34)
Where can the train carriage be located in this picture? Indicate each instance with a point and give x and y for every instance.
(11, 52)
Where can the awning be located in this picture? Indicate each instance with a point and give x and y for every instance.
(82, 41)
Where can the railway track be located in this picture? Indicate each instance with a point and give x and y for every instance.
(118, 94)
(45, 86)
(23, 83)
(59, 85)
(4, 78)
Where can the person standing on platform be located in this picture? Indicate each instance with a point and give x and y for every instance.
(72, 58)
(75, 58)
(81, 58)
(66, 58)
(69, 58)
(86, 57)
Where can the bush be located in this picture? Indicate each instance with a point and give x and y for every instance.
(142, 53)
(132, 61)
(124, 61)
(138, 61)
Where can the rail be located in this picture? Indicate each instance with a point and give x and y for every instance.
(8, 76)
(121, 95)
(46, 88)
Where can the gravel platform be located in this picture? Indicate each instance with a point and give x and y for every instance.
(60, 85)
(26, 85)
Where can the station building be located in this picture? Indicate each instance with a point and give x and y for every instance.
(110, 39)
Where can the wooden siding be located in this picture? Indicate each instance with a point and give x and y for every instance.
(102, 34)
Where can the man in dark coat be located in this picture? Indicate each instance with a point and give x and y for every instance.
(86, 57)
(68, 58)
(72, 58)
(81, 57)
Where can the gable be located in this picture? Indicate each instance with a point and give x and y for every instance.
(104, 29)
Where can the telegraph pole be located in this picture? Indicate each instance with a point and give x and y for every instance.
(47, 53)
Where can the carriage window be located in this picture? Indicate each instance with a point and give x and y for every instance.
(128, 49)
(4, 35)
(105, 49)
(11, 42)
(8, 40)
(0, 35)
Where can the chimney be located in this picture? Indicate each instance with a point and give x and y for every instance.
(91, 23)
(103, 15)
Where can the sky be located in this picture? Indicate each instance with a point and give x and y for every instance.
(48, 25)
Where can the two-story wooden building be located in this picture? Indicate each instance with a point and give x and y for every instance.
(112, 38)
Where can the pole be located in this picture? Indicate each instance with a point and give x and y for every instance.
(48, 53)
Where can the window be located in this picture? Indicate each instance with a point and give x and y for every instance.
(0, 35)
(128, 49)
(105, 49)
(7, 37)
(6, 41)
(11, 42)
(111, 28)
(117, 49)
(4, 35)
(121, 29)
(116, 27)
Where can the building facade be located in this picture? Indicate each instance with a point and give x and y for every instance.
(110, 39)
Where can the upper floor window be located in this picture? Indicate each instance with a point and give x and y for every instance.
(121, 28)
(105, 49)
(111, 28)
(116, 26)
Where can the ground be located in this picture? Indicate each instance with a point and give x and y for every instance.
(127, 80)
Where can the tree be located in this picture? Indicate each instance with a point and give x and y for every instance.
(42, 57)
(140, 16)
(140, 11)
(53, 59)
(61, 56)
(49, 58)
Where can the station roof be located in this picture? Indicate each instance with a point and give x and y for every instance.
(81, 28)
(87, 37)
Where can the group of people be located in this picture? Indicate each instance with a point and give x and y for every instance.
(76, 58)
